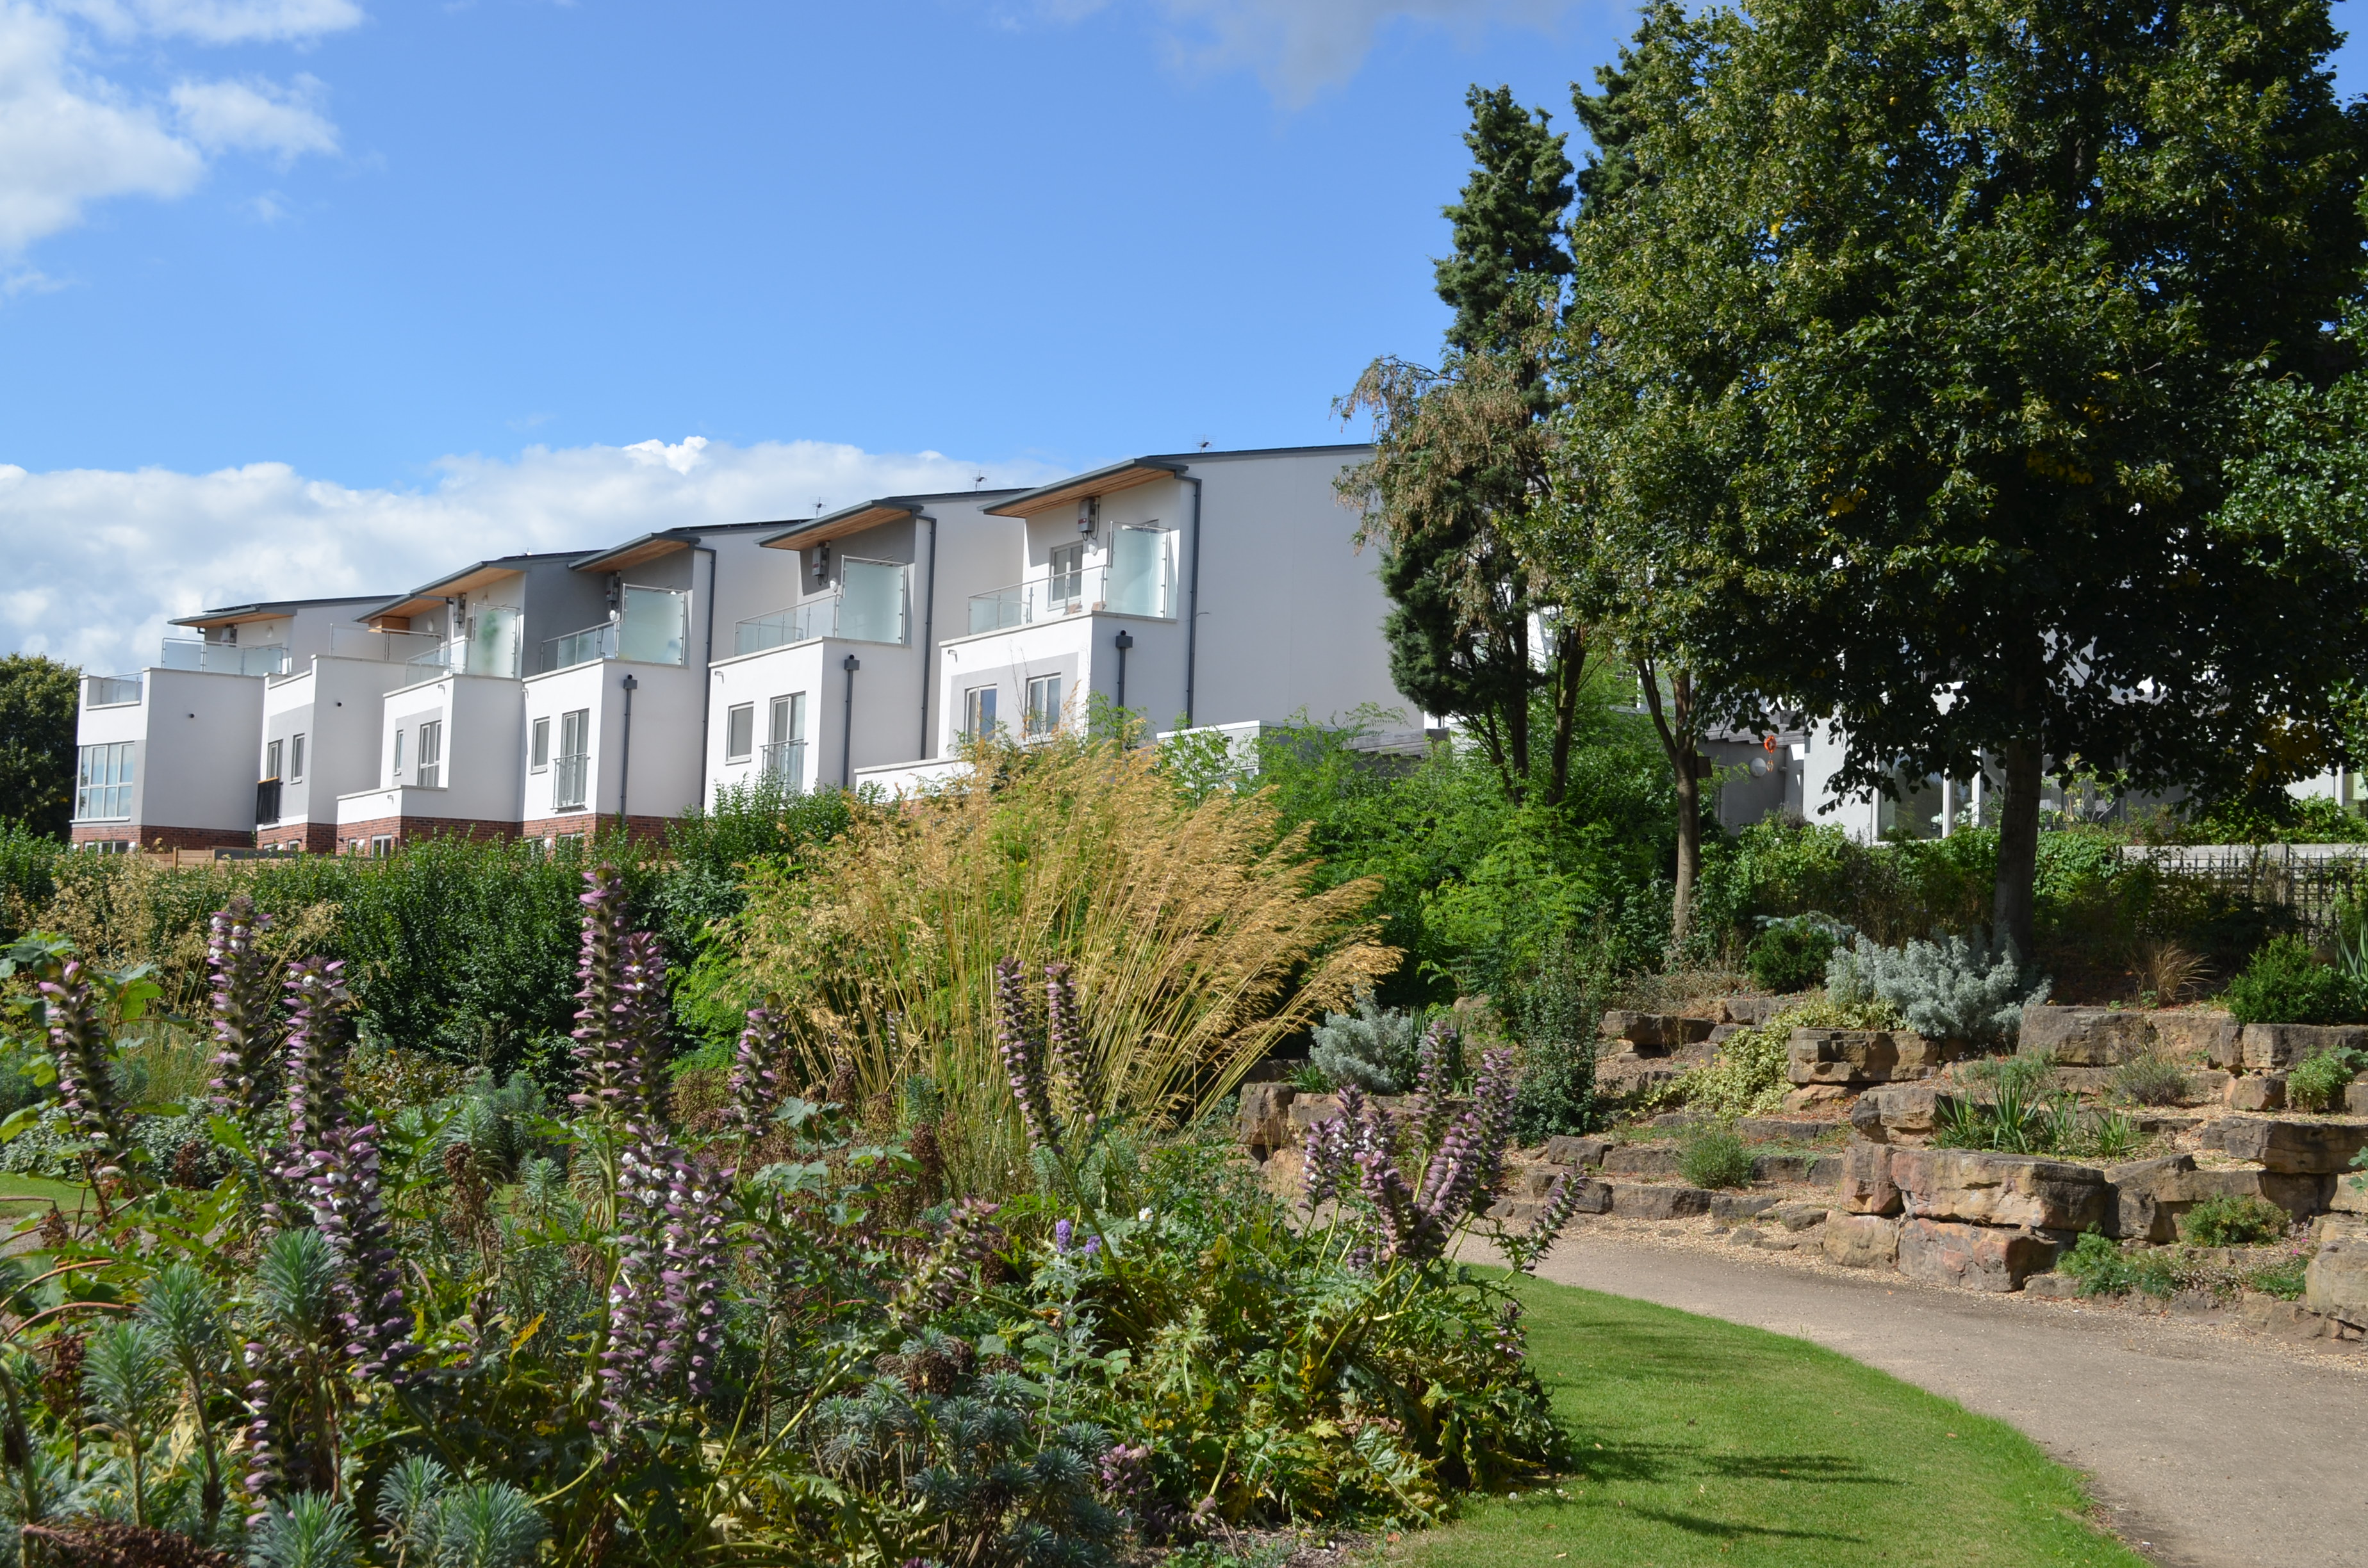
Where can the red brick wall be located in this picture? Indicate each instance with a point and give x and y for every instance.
(313, 837)
(166, 837)
(576, 824)
(354, 836)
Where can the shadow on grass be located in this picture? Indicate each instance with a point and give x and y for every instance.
(1673, 1462)
(1695, 1524)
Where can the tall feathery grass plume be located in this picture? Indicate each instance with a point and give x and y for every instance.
(1191, 937)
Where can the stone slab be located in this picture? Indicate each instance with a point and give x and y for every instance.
(1788, 1130)
(1866, 1186)
(1906, 1112)
(2086, 1036)
(1977, 1187)
(1799, 1216)
(1637, 1201)
(1738, 1205)
(2269, 1046)
(1636, 1159)
(1655, 1032)
(1861, 1241)
(2313, 1148)
(1567, 1150)
(2138, 1213)
(1972, 1257)
(2256, 1091)
(2300, 1196)
(1263, 1122)
(2213, 1038)
(2336, 1284)
(2350, 1194)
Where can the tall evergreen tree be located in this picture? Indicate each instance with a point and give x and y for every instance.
(39, 701)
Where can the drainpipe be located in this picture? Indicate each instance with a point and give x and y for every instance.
(846, 725)
(1191, 601)
(625, 757)
(707, 660)
(1124, 640)
(928, 627)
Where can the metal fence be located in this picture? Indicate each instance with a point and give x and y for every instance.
(2312, 880)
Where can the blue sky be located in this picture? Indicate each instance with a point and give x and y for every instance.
(317, 295)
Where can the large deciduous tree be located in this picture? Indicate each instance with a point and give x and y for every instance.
(39, 699)
(1462, 454)
(1924, 334)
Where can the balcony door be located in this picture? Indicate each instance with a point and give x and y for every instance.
(571, 770)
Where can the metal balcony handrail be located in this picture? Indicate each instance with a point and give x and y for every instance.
(570, 779)
(1088, 590)
(784, 761)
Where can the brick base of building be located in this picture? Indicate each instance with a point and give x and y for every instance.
(584, 824)
(355, 837)
(148, 836)
(312, 837)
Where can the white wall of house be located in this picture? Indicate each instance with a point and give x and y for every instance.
(481, 762)
(338, 706)
(195, 739)
(663, 778)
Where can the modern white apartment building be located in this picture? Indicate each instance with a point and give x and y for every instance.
(534, 695)
(167, 758)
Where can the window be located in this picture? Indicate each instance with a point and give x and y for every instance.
(399, 737)
(785, 748)
(271, 750)
(381, 846)
(296, 759)
(1068, 573)
(432, 755)
(739, 732)
(571, 770)
(538, 753)
(1044, 705)
(978, 711)
(103, 782)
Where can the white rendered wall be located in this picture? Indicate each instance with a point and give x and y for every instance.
(664, 777)
(338, 705)
(196, 763)
(483, 759)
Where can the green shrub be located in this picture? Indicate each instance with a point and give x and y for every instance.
(2284, 1278)
(1553, 1023)
(2102, 1268)
(1715, 1156)
(1372, 1048)
(2318, 1083)
(2149, 1079)
(2234, 1222)
(1951, 989)
(1791, 955)
(2285, 984)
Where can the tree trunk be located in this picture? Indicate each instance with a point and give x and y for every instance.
(1675, 723)
(1569, 672)
(2018, 847)
(1517, 716)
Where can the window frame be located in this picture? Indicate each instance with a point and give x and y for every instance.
(740, 731)
(1039, 719)
(538, 745)
(296, 757)
(979, 720)
(429, 768)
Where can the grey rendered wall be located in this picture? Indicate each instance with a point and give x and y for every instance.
(204, 735)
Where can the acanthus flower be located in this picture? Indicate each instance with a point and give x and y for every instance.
(247, 1022)
(81, 1045)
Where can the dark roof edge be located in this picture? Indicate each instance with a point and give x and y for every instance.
(905, 504)
(260, 606)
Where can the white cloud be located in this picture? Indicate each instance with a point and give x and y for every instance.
(256, 117)
(100, 560)
(66, 140)
(1300, 48)
(220, 21)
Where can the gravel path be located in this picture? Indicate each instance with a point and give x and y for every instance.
(2206, 1447)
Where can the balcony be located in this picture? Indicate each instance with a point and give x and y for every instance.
(652, 627)
(784, 763)
(564, 652)
(267, 801)
(384, 647)
(1140, 587)
(868, 608)
(570, 779)
(110, 691)
(222, 658)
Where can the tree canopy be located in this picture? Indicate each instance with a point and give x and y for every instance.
(39, 701)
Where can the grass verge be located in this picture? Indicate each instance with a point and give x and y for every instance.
(1708, 1443)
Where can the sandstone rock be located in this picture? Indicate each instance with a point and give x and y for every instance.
(1783, 1240)
(1566, 1151)
(2256, 1091)
(1635, 1200)
(2052, 1287)
(1866, 1185)
(1263, 1123)
(2267, 1046)
(2300, 1196)
(1985, 1189)
(1738, 1205)
(1841, 1056)
(1816, 1096)
(1530, 1182)
(1593, 1197)
(1744, 1236)
(1721, 1033)
(1624, 1073)
(1306, 1110)
(2207, 1085)
(1635, 1159)
(1904, 1112)
(2337, 1281)
(1753, 1011)
(1783, 1167)
(1799, 1216)
(2338, 1227)
(2198, 1305)
(2083, 1080)
(2137, 1211)
(1972, 1257)
(2350, 1194)
(2214, 1038)
(1653, 1033)
(2086, 1036)
(2279, 1319)
(2315, 1148)
(1861, 1241)
(2355, 1099)
(1772, 1128)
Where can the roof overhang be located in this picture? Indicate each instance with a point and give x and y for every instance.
(1100, 481)
(272, 609)
(634, 552)
(839, 524)
(431, 595)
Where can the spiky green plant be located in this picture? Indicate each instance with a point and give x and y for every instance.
(126, 1378)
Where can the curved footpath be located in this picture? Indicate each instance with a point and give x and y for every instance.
(2206, 1448)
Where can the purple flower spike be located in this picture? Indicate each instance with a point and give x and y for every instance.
(1023, 1055)
(1062, 1231)
(758, 1067)
(80, 1042)
(246, 1025)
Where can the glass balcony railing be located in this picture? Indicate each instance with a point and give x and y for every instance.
(222, 658)
(784, 761)
(652, 629)
(870, 607)
(110, 691)
(386, 647)
(564, 652)
(490, 648)
(1128, 588)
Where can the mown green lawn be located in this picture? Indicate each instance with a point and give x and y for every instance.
(1707, 1443)
(18, 1193)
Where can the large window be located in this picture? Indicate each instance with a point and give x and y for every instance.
(400, 736)
(739, 732)
(432, 755)
(785, 747)
(572, 769)
(978, 711)
(103, 782)
(1044, 705)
